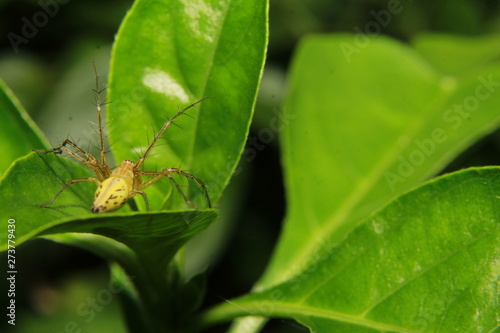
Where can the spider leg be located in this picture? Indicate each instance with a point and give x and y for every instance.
(163, 129)
(100, 125)
(71, 182)
(199, 181)
(102, 171)
(157, 175)
(143, 196)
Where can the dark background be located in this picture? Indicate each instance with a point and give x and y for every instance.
(53, 279)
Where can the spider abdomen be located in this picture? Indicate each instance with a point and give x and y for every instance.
(111, 195)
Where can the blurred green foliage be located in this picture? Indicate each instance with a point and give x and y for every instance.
(51, 77)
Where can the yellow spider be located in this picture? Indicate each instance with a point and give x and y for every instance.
(115, 187)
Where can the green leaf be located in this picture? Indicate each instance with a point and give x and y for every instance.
(427, 262)
(18, 133)
(364, 127)
(365, 120)
(169, 54)
(441, 51)
(34, 180)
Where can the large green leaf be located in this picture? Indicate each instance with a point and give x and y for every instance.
(169, 54)
(427, 262)
(366, 119)
(18, 133)
(362, 132)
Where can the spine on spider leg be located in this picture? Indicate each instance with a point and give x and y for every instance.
(163, 129)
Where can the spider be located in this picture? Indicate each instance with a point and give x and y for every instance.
(115, 187)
